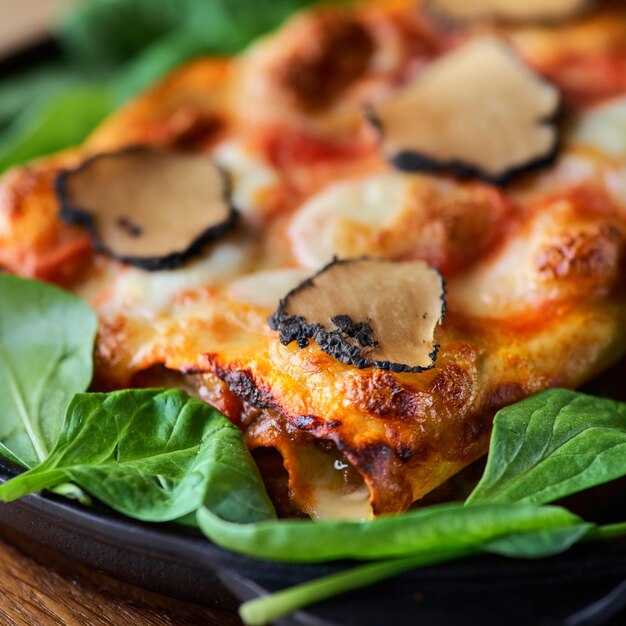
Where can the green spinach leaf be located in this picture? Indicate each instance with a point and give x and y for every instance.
(39, 84)
(113, 49)
(540, 543)
(151, 454)
(155, 61)
(61, 121)
(435, 528)
(204, 27)
(46, 345)
(552, 445)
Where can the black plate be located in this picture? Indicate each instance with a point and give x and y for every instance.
(583, 587)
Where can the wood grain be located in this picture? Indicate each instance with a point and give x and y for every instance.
(38, 588)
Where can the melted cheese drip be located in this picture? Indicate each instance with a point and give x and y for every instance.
(331, 489)
(330, 498)
(329, 504)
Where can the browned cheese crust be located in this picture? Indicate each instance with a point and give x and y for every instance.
(535, 270)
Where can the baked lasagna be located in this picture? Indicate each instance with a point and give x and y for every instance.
(359, 239)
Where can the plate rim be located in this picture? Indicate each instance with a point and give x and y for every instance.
(182, 545)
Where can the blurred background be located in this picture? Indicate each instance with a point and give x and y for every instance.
(25, 21)
(66, 64)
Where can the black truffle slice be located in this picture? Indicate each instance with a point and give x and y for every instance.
(148, 207)
(477, 111)
(508, 10)
(367, 313)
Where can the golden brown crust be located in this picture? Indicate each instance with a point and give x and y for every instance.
(586, 256)
(186, 111)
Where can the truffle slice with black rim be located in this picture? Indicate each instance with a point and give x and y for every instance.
(367, 313)
(148, 207)
(508, 10)
(477, 111)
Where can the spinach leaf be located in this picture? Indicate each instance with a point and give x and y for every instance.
(151, 454)
(203, 27)
(61, 121)
(607, 531)
(46, 345)
(435, 528)
(522, 545)
(103, 34)
(552, 445)
(19, 91)
(540, 543)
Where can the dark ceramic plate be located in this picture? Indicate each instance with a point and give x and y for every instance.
(583, 587)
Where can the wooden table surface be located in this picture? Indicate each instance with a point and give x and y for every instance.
(38, 588)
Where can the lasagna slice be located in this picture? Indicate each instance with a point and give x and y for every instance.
(533, 264)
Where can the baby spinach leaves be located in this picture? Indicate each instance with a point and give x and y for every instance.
(59, 120)
(552, 445)
(539, 543)
(46, 345)
(151, 454)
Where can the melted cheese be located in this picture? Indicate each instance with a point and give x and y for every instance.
(327, 494)
(253, 180)
(148, 294)
(265, 289)
(394, 215)
(321, 228)
(532, 271)
(556, 255)
(579, 167)
(603, 127)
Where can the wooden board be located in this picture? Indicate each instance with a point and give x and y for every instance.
(37, 588)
